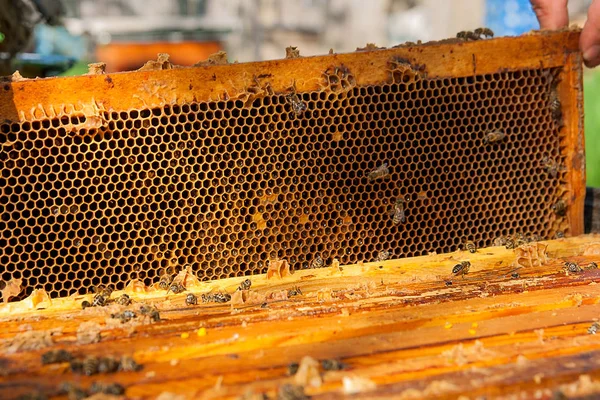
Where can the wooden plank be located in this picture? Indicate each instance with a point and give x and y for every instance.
(31, 100)
(395, 323)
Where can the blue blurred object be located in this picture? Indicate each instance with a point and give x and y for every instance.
(56, 40)
(510, 17)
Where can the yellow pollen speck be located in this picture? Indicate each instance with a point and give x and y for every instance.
(472, 331)
(448, 325)
(474, 325)
(202, 332)
(185, 335)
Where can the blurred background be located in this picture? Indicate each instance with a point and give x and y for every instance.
(60, 37)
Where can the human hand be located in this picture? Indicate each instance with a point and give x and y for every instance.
(553, 14)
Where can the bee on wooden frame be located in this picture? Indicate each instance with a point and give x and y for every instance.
(461, 268)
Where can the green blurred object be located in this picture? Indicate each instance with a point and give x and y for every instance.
(80, 68)
(2, 37)
(591, 86)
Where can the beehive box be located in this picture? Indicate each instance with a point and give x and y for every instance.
(227, 172)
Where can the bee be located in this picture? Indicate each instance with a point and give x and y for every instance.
(380, 172)
(128, 364)
(332, 365)
(383, 255)
(90, 365)
(123, 300)
(207, 298)
(113, 388)
(245, 285)
(572, 267)
(176, 288)
(56, 357)
(107, 365)
(560, 208)
(487, 32)
(470, 246)
(85, 304)
(295, 291)
(165, 281)
(221, 297)
(594, 328)
(398, 214)
(510, 243)
(33, 396)
(317, 262)
(592, 265)
(287, 391)
(499, 241)
(292, 368)
(555, 105)
(72, 391)
(515, 275)
(467, 35)
(102, 296)
(559, 235)
(462, 268)
(552, 167)
(99, 300)
(448, 283)
(494, 137)
(124, 316)
(298, 106)
(150, 312)
(191, 299)
(76, 366)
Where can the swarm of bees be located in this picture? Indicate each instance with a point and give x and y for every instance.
(494, 137)
(593, 329)
(470, 247)
(93, 365)
(216, 298)
(476, 34)
(56, 357)
(461, 268)
(191, 299)
(150, 312)
(383, 255)
(380, 172)
(295, 291)
(317, 262)
(245, 285)
(572, 267)
(398, 214)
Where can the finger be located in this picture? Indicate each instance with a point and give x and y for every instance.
(589, 41)
(551, 14)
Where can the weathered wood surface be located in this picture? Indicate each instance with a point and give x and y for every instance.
(395, 323)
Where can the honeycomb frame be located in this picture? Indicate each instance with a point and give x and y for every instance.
(110, 177)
